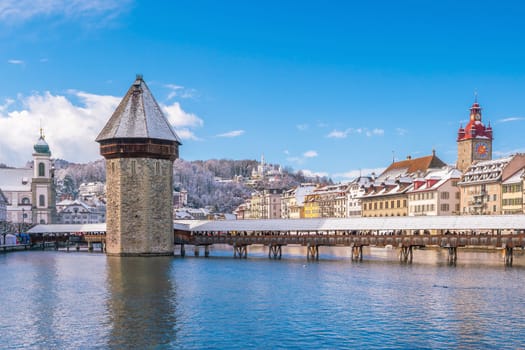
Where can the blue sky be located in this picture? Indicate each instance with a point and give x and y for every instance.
(328, 87)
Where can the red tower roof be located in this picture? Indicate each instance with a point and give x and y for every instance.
(475, 128)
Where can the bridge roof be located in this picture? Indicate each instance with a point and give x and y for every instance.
(377, 223)
(68, 228)
(456, 223)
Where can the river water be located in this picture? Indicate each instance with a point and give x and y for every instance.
(59, 300)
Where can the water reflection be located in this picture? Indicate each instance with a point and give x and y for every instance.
(141, 302)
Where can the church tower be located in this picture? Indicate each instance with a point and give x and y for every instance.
(42, 185)
(474, 141)
(139, 146)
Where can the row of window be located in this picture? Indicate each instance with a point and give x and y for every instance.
(392, 204)
(512, 188)
(513, 201)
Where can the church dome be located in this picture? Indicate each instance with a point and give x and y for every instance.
(41, 146)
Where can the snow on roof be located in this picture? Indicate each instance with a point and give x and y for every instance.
(485, 171)
(138, 116)
(16, 179)
(440, 177)
(516, 178)
(463, 222)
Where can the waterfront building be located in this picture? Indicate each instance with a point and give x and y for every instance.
(30, 192)
(139, 146)
(435, 194)
(475, 140)
(292, 201)
(243, 211)
(266, 204)
(311, 206)
(387, 195)
(79, 212)
(3, 207)
(512, 194)
(481, 184)
(326, 202)
(354, 191)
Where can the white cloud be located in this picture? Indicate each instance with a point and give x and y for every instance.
(179, 118)
(352, 174)
(234, 133)
(401, 132)
(70, 127)
(23, 10)
(341, 134)
(337, 134)
(179, 91)
(8, 102)
(70, 130)
(310, 173)
(186, 134)
(302, 127)
(13, 61)
(510, 119)
(376, 132)
(310, 154)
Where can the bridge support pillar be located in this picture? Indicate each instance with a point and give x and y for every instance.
(196, 250)
(182, 250)
(452, 255)
(312, 252)
(274, 251)
(406, 254)
(240, 251)
(509, 255)
(357, 253)
(206, 250)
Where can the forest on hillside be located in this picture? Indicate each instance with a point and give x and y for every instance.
(199, 178)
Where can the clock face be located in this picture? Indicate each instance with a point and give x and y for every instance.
(477, 116)
(482, 150)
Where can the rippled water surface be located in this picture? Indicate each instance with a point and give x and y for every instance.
(59, 300)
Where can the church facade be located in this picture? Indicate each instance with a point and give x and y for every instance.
(30, 192)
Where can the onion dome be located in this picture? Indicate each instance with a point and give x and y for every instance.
(41, 145)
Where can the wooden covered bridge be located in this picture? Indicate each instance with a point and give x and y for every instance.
(405, 233)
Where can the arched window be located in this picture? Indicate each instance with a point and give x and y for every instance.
(25, 201)
(41, 200)
(41, 169)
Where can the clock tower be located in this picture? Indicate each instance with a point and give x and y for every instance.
(474, 141)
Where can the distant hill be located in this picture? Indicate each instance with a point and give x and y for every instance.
(199, 178)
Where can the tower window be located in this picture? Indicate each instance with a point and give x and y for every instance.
(133, 167)
(42, 200)
(157, 168)
(41, 169)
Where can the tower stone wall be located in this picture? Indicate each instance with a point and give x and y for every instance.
(139, 207)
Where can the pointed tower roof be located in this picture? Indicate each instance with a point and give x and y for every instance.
(138, 116)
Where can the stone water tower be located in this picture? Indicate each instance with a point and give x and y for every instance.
(139, 146)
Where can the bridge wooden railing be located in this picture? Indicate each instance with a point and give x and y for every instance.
(517, 240)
